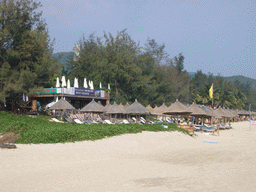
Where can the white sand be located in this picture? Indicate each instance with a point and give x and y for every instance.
(146, 161)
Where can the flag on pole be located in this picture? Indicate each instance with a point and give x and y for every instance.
(211, 92)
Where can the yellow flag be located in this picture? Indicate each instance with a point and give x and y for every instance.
(211, 92)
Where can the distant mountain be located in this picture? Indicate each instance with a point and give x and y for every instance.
(64, 57)
(243, 79)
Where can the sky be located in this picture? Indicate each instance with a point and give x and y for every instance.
(215, 36)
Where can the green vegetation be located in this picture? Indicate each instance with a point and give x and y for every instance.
(40, 130)
(26, 62)
(146, 73)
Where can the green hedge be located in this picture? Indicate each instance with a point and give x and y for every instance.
(41, 130)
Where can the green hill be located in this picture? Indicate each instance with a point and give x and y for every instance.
(64, 57)
(243, 79)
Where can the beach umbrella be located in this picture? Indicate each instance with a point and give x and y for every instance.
(177, 108)
(108, 86)
(159, 111)
(63, 81)
(76, 83)
(136, 109)
(197, 111)
(24, 98)
(100, 86)
(57, 99)
(62, 105)
(115, 109)
(126, 105)
(58, 82)
(92, 85)
(93, 107)
(150, 108)
(85, 83)
(68, 84)
(107, 106)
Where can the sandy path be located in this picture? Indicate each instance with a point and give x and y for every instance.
(146, 161)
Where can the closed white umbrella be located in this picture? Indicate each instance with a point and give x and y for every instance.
(68, 84)
(92, 85)
(85, 83)
(108, 86)
(57, 99)
(24, 99)
(58, 82)
(63, 81)
(76, 83)
(100, 86)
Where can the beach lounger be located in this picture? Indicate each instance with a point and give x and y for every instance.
(134, 119)
(108, 122)
(56, 120)
(68, 119)
(125, 121)
(78, 121)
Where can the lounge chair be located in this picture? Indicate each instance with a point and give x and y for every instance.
(78, 121)
(134, 119)
(125, 121)
(108, 122)
(56, 120)
(68, 119)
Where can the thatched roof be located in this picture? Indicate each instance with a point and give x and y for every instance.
(234, 112)
(228, 112)
(150, 108)
(62, 104)
(210, 112)
(137, 109)
(160, 110)
(224, 113)
(177, 108)
(243, 112)
(93, 107)
(127, 105)
(107, 106)
(115, 109)
(197, 111)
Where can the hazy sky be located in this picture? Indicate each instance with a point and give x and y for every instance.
(216, 36)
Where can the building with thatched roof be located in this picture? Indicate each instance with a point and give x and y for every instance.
(62, 104)
(93, 107)
(137, 109)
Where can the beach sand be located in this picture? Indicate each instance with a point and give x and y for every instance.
(147, 161)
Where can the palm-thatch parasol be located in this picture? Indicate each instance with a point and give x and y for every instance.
(93, 107)
(137, 109)
(126, 105)
(115, 109)
(159, 111)
(62, 104)
(177, 108)
(197, 111)
(150, 108)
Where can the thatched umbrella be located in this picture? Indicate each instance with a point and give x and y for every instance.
(126, 105)
(177, 108)
(62, 105)
(150, 108)
(137, 109)
(159, 111)
(197, 111)
(115, 109)
(93, 107)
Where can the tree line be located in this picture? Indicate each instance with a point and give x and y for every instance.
(147, 73)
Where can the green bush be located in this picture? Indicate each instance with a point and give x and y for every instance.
(40, 130)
